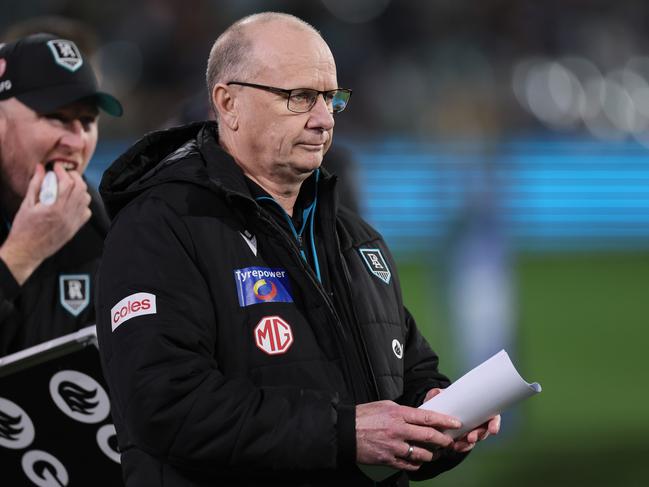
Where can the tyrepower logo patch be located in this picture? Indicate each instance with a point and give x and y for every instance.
(273, 335)
(137, 304)
(262, 285)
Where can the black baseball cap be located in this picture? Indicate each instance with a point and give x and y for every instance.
(46, 73)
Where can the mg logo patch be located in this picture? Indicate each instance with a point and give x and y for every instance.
(273, 335)
(74, 292)
(66, 54)
(376, 264)
(16, 428)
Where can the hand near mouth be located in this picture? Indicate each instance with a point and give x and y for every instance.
(38, 230)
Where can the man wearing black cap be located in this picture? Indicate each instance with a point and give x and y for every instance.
(52, 225)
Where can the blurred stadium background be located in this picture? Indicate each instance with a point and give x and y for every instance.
(502, 147)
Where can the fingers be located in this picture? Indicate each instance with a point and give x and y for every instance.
(79, 196)
(477, 434)
(73, 192)
(418, 456)
(385, 432)
(66, 183)
(481, 433)
(494, 425)
(432, 393)
(427, 436)
(34, 186)
(462, 446)
(424, 417)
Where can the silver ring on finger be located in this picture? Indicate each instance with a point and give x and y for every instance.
(410, 450)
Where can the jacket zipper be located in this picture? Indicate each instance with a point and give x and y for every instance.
(356, 323)
(296, 254)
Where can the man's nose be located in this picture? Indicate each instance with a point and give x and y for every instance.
(321, 116)
(74, 135)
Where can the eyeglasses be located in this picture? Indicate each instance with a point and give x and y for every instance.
(301, 100)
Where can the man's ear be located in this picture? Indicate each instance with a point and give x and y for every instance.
(224, 104)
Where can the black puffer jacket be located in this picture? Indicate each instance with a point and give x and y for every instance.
(227, 360)
(57, 299)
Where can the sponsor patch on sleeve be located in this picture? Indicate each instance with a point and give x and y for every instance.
(256, 285)
(137, 304)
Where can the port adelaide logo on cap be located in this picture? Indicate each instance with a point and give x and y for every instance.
(66, 54)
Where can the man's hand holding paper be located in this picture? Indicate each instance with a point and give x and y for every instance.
(480, 433)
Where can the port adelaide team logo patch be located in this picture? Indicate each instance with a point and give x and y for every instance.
(74, 292)
(257, 285)
(66, 54)
(376, 264)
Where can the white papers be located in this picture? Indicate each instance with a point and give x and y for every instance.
(481, 393)
(485, 391)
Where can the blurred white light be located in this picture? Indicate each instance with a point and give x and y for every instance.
(553, 94)
(600, 95)
(519, 80)
(357, 11)
(618, 105)
(638, 90)
(563, 93)
(639, 65)
(641, 100)
(565, 90)
(583, 70)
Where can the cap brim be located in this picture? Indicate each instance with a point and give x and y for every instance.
(109, 104)
(55, 97)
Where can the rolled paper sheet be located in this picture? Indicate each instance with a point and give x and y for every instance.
(487, 390)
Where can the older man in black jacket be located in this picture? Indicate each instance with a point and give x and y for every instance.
(252, 332)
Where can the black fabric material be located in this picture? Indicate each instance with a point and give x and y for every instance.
(46, 73)
(33, 313)
(196, 401)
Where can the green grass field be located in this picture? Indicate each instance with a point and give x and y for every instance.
(583, 333)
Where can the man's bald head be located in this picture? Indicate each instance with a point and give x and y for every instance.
(232, 54)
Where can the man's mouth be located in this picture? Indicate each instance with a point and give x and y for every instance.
(67, 165)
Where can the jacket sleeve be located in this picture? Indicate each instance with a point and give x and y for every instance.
(169, 396)
(420, 366)
(420, 375)
(9, 290)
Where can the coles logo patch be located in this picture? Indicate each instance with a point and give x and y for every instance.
(137, 304)
(273, 335)
(257, 285)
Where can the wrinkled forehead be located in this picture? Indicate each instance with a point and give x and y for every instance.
(293, 52)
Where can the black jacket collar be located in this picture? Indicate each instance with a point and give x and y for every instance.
(190, 153)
